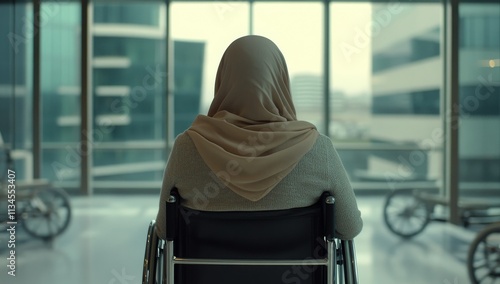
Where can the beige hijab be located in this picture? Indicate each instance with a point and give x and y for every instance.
(251, 138)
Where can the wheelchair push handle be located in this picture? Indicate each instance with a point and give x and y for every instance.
(171, 207)
(329, 220)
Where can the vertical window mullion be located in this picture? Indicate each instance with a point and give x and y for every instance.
(37, 105)
(452, 114)
(326, 74)
(86, 101)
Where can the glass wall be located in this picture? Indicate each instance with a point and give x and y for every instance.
(197, 24)
(16, 86)
(60, 53)
(298, 32)
(479, 82)
(385, 77)
(128, 93)
(198, 45)
(386, 84)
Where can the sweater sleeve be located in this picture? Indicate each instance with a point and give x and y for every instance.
(347, 215)
(167, 184)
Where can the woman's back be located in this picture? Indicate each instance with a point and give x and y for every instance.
(250, 152)
(319, 170)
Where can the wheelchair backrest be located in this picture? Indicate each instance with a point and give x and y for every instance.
(297, 233)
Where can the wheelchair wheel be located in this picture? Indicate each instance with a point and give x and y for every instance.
(404, 214)
(483, 258)
(47, 214)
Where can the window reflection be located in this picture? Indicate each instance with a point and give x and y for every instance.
(15, 86)
(298, 32)
(132, 13)
(479, 135)
(386, 80)
(198, 45)
(129, 100)
(60, 92)
(385, 83)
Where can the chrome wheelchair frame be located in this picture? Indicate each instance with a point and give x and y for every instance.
(160, 259)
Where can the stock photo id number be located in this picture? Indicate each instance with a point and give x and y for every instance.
(11, 222)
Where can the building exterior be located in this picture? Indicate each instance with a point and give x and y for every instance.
(400, 136)
(407, 85)
(188, 71)
(307, 95)
(129, 97)
(15, 86)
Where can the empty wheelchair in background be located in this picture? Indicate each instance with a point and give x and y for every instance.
(407, 212)
(483, 259)
(246, 247)
(43, 210)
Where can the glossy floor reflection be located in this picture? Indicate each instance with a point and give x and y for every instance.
(105, 244)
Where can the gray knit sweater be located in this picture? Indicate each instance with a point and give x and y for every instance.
(319, 170)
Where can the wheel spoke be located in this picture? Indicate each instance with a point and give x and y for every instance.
(486, 276)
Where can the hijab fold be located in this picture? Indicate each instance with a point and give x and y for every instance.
(250, 137)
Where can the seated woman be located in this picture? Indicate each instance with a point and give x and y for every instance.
(250, 152)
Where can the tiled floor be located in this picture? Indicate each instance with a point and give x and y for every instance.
(105, 245)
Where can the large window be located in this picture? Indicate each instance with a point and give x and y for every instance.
(132, 13)
(198, 45)
(16, 86)
(385, 76)
(60, 92)
(128, 92)
(479, 132)
(152, 66)
(386, 80)
(298, 32)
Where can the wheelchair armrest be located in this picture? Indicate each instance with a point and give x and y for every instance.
(171, 211)
(329, 219)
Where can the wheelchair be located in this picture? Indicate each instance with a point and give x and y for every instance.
(277, 246)
(483, 257)
(42, 209)
(407, 212)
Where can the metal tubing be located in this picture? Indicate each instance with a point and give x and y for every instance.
(208, 261)
(350, 270)
(148, 252)
(339, 266)
(153, 258)
(354, 268)
(169, 262)
(332, 262)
